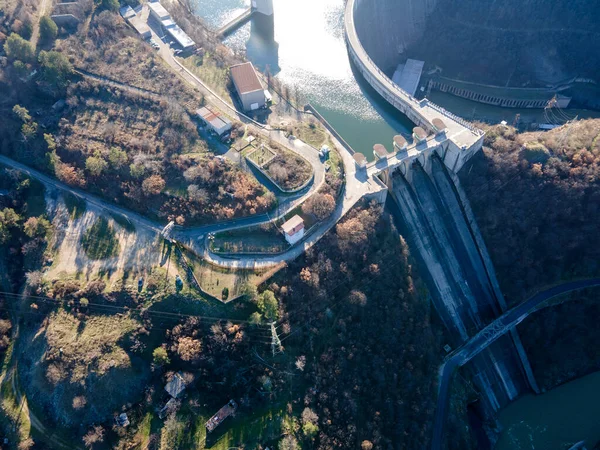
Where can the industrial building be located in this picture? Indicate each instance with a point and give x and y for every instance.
(158, 11)
(213, 120)
(248, 86)
(161, 15)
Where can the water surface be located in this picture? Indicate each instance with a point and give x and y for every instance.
(555, 420)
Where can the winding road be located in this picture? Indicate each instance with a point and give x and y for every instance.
(484, 338)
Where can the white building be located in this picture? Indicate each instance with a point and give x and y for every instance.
(180, 36)
(248, 86)
(158, 11)
(293, 229)
(219, 124)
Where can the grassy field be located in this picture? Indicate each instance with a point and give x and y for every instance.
(311, 132)
(100, 241)
(215, 279)
(216, 78)
(259, 239)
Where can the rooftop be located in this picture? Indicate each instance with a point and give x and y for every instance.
(180, 36)
(159, 10)
(221, 415)
(245, 78)
(290, 226)
(420, 133)
(214, 118)
(127, 12)
(176, 386)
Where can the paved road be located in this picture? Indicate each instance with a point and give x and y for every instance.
(484, 338)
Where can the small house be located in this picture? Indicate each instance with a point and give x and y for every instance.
(176, 386)
(214, 120)
(248, 86)
(293, 229)
(222, 414)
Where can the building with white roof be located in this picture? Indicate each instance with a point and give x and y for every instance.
(158, 11)
(293, 229)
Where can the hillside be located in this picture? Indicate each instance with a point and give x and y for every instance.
(536, 197)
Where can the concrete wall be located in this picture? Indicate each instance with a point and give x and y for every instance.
(387, 27)
(253, 97)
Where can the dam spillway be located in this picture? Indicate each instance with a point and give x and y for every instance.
(462, 285)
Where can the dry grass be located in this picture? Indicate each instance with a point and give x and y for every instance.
(81, 369)
(83, 347)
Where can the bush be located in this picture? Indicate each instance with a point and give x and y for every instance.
(160, 356)
(48, 29)
(17, 48)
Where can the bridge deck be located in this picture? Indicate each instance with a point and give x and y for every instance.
(231, 26)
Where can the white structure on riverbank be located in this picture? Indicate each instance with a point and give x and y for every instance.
(161, 15)
(263, 6)
(293, 229)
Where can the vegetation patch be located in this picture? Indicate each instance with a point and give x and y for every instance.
(100, 240)
(75, 365)
(535, 197)
(75, 205)
(265, 238)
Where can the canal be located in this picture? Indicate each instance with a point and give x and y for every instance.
(555, 420)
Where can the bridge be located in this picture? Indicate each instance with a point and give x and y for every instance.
(487, 336)
(234, 24)
(456, 142)
(264, 7)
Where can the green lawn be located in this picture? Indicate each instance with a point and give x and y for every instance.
(100, 241)
(259, 239)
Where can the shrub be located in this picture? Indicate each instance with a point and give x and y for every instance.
(48, 29)
(153, 185)
(17, 48)
(160, 356)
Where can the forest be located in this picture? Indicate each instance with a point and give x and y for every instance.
(536, 197)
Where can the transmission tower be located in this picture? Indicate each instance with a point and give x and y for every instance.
(275, 341)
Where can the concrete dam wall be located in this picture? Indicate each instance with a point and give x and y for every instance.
(516, 43)
(387, 27)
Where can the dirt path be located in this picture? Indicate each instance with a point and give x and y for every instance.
(44, 7)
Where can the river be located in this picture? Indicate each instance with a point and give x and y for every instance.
(555, 420)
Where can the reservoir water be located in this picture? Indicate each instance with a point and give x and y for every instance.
(555, 420)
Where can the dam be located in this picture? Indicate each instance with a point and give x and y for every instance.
(421, 178)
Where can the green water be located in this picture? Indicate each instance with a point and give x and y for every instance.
(555, 420)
